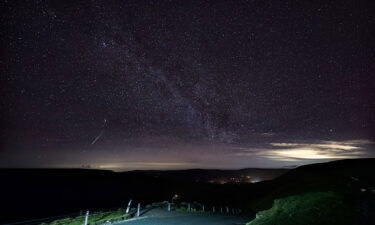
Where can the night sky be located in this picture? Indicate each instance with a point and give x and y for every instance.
(159, 84)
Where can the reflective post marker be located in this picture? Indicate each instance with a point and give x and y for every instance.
(87, 217)
(138, 209)
(128, 208)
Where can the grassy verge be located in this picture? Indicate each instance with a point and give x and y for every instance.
(94, 218)
(311, 208)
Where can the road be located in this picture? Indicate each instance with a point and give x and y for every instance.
(179, 218)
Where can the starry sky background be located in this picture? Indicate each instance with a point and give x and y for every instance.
(186, 84)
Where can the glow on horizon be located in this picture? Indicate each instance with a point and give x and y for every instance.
(309, 153)
(301, 151)
(144, 165)
(320, 150)
(228, 156)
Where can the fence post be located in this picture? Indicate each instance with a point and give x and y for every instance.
(188, 207)
(227, 209)
(138, 209)
(203, 208)
(128, 208)
(169, 207)
(221, 210)
(87, 217)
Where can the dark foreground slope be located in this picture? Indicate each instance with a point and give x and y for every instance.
(340, 192)
(36, 193)
(212, 175)
(344, 176)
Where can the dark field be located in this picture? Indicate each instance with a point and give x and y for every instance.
(37, 193)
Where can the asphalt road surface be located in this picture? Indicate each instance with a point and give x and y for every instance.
(158, 217)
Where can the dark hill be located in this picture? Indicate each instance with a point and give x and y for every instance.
(36, 193)
(206, 175)
(48, 192)
(350, 176)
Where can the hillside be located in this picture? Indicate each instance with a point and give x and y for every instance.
(345, 176)
(49, 192)
(339, 192)
(213, 175)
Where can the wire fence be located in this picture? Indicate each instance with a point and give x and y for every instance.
(126, 213)
(47, 220)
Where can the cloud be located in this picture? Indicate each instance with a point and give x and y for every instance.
(318, 150)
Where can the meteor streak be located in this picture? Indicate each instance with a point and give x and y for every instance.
(101, 133)
(97, 137)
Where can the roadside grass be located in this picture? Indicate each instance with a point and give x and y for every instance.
(311, 208)
(94, 218)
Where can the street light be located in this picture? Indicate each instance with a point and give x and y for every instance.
(175, 197)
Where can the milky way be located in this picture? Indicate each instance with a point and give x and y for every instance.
(183, 84)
